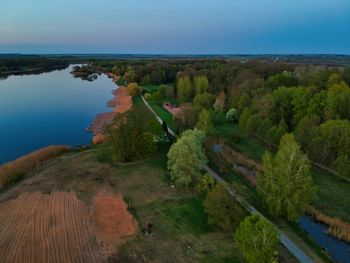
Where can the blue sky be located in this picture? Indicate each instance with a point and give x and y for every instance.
(175, 26)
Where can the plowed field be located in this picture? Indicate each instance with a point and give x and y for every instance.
(46, 228)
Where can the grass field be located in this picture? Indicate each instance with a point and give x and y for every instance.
(329, 187)
(164, 115)
(181, 232)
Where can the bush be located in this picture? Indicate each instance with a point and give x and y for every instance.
(148, 96)
(232, 115)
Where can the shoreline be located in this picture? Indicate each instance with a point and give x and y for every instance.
(121, 102)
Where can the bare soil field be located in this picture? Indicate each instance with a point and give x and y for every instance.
(45, 228)
(64, 211)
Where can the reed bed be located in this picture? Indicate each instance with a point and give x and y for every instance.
(337, 227)
(235, 157)
(13, 171)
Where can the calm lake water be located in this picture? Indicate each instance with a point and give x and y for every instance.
(46, 109)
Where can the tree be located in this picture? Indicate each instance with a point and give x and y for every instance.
(204, 100)
(243, 118)
(184, 89)
(282, 107)
(220, 102)
(286, 79)
(146, 80)
(205, 183)
(257, 239)
(332, 140)
(232, 115)
(306, 130)
(201, 84)
(133, 89)
(252, 124)
(223, 211)
(205, 122)
(187, 117)
(132, 135)
(264, 128)
(338, 101)
(186, 158)
(317, 104)
(300, 100)
(286, 184)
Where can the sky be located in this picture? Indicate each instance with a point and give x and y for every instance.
(175, 26)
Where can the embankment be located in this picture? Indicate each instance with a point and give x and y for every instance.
(13, 171)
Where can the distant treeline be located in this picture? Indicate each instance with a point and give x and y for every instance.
(29, 65)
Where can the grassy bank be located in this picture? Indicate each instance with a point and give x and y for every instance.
(13, 171)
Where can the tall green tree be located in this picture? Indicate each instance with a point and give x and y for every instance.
(331, 141)
(132, 135)
(184, 89)
(186, 158)
(205, 122)
(286, 184)
(257, 239)
(222, 210)
(338, 101)
(204, 100)
(201, 84)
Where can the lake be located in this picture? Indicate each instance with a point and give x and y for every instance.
(48, 109)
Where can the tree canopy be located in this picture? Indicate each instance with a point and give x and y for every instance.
(286, 184)
(257, 239)
(223, 211)
(133, 134)
(186, 158)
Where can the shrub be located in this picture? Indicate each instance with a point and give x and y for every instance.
(232, 115)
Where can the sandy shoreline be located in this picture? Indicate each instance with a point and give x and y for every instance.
(121, 102)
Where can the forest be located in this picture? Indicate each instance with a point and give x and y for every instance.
(284, 127)
(310, 101)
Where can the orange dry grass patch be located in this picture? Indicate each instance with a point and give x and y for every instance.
(122, 102)
(11, 170)
(337, 227)
(113, 223)
(41, 228)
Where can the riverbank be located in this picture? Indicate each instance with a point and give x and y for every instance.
(121, 102)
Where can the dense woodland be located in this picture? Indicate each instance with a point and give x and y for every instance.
(299, 113)
(312, 102)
